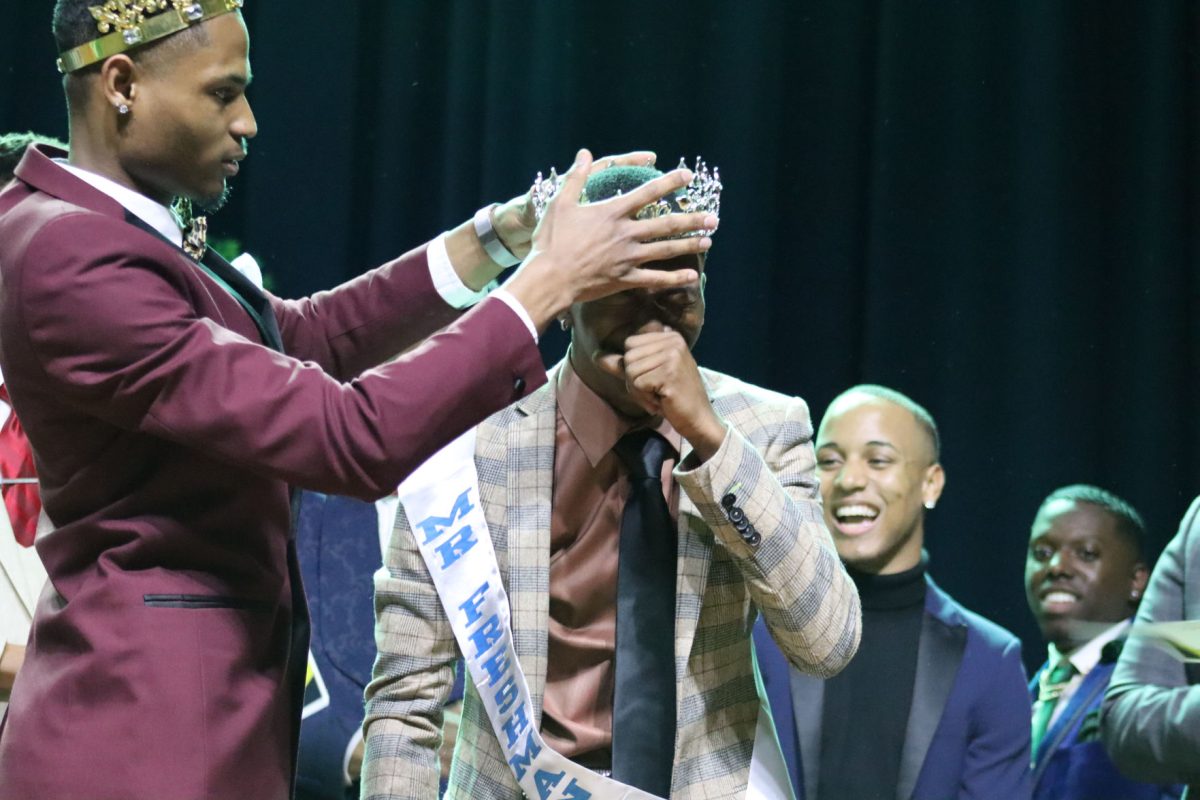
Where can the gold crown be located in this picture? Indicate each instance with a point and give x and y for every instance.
(126, 24)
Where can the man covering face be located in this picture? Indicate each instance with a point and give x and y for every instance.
(650, 508)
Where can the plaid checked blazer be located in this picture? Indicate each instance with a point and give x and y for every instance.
(793, 577)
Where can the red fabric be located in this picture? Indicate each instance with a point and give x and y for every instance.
(22, 500)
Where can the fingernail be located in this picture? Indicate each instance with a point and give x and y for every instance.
(705, 243)
(687, 176)
(711, 222)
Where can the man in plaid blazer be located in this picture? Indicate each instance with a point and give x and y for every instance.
(750, 540)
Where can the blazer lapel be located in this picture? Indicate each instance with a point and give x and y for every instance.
(248, 296)
(1092, 685)
(939, 654)
(808, 705)
(530, 470)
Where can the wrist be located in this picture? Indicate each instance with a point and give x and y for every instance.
(512, 229)
(536, 288)
(468, 258)
(490, 238)
(706, 436)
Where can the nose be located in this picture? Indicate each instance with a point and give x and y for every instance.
(245, 126)
(850, 477)
(1058, 564)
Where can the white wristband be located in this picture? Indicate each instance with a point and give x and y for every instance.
(491, 240)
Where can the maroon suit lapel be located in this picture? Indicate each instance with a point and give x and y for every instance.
(37, 168)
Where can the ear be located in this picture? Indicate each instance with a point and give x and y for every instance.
(1137, 586)
(118, 79)
(932, 485)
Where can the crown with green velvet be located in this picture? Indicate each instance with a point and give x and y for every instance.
(702, 195)
(125, 25)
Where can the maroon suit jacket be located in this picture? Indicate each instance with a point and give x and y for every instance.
(167, 657)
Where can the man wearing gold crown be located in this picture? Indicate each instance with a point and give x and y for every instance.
(643, 512)
(170, 405)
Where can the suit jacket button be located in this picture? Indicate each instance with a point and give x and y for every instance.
(736, 515)
(728, 500)
(752, 538)
(518, 385)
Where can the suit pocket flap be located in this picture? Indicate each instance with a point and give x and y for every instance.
(204, 601)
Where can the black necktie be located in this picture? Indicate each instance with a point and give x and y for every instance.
(643, 747)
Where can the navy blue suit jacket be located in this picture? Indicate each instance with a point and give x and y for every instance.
(338, 543)
(1071, 762)
(968, 729)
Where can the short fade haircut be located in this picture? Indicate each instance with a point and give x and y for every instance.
(923, 417)
(1129, 522)
(12, 148)
(73, 24)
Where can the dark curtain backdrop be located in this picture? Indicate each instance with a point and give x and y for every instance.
(989, 206)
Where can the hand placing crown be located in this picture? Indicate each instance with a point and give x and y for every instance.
(703, 194)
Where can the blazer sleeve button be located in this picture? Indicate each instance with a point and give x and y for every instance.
(518, 385)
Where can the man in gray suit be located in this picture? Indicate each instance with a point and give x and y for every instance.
(1151, 722)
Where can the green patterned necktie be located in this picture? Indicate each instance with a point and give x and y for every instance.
(1050, 686)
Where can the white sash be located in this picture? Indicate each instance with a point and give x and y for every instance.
(442, 503)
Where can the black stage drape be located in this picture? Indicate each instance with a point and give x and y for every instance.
(991, 206)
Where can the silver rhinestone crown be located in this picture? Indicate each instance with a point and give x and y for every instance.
(703, 194)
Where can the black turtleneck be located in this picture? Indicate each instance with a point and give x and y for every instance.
(866, 706)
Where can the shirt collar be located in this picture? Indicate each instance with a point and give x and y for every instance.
(594, 424)
(1087, 656)
(156, 215)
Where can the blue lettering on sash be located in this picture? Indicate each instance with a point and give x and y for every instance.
(521, 761)
(490, 632)
(454, 548)
(575, 792)
(497, 666)
(506, 695)
(515, 724)
(546, 781)
(473, 603)
(434, 526)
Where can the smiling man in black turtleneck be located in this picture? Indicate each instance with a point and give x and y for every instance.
(934, 704)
